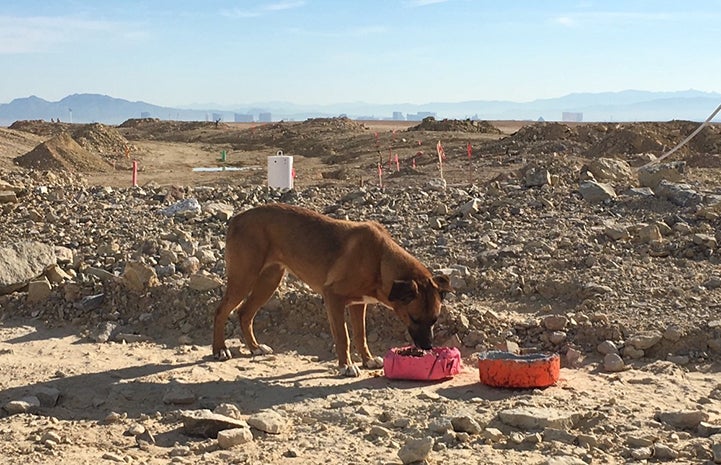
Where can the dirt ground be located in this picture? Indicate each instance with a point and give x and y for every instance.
(111, 391)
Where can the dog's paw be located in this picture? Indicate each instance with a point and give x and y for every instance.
(373, 363)
(223, 354)
(350, 371)
(262, 349)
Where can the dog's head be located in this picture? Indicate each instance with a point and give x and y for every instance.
(418, 304)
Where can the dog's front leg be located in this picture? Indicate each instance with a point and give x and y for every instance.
(335, 307)
(358, 321)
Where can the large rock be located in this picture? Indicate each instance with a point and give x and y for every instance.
(23, 261)
(138, 277)
(683, 419)
(415, 450)
(595, 192)
(230, 438)
(268, 421)
(651, 176)
(207, 424)
(678, 194)
(610, 169)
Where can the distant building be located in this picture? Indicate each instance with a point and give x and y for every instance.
(264, 117)
(398, 116)
(572, 117)
(243, 118)
(420, 115)
(145, 114)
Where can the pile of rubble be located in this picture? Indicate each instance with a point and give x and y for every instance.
(429, 123)
(601, 257)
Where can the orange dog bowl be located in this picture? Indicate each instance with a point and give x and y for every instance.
(423, 365)
(504, 369)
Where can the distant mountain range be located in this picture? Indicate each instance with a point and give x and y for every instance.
(629, 105)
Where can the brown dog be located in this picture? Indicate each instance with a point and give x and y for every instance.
(348, 263)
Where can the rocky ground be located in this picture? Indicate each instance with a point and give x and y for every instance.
(555, 238)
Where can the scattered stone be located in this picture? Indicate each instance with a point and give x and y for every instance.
(664, 452)
(39, 290)
(415, 450)
(534, 176)
(56, 275)
(104, 332)
(644, 341)
(611, 169)
(466, 424)
(642, 453)
(268, 421)
(220, 210)
(469, 207)
(492, 434)
(706, 429)
(187, 208)
(202, 282)
(536, 418)
(607, 347)
(23, 261)
(230, 438)
(687, 419)
(99, 273)
(633, 353)
(205, 423)
(554, 322)
(440, 425)
(651, 176)
(596, 192)
(613, 363)
(139, 277)
(228, 410)
(378, 431)
(558, 435)
(682, 195)
(114, 457)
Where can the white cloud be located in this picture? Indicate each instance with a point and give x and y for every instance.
(42, 33)
(263, 10)
(415, 3)
(285, 5)
(565, 21)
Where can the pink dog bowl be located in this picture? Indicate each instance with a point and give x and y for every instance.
(424, 365)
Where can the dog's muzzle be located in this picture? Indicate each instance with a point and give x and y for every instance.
(422, 337)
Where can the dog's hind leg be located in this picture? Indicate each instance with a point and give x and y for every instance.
(242, 267)
(234, 295)
(263, 289)
(358, 322)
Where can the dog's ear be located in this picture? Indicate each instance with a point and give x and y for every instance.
(443, 283)
(403, 291)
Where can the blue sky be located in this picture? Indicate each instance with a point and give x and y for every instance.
(181, 52)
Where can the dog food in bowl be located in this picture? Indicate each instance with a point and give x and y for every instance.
(504, 369)
(413, 363)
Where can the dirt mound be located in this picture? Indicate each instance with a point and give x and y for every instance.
(332, 124)
(103, 140)
(40, 127)
(454, 125)
(61, 153)
(170, 131)
(544, 132)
